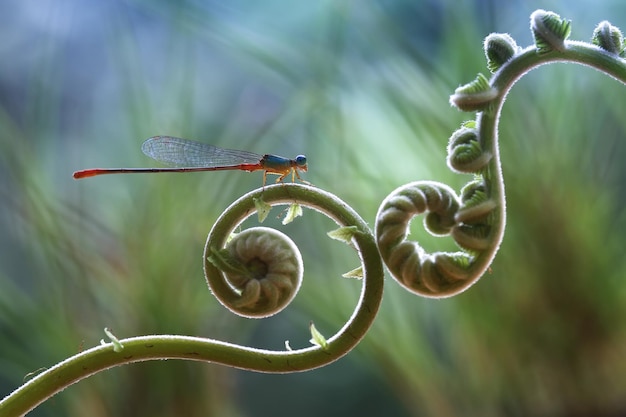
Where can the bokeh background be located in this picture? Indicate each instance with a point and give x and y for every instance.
(361, 88)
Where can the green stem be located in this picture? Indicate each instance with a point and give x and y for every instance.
(503, 80)
(574, 52)
(144, 348)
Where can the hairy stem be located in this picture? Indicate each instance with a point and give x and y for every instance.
(476, 219)
(144, 348)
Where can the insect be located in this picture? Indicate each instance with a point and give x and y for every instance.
(191, 156)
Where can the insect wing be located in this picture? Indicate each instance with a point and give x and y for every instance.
(188, 153)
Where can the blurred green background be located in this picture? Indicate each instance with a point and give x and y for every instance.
(361, 88)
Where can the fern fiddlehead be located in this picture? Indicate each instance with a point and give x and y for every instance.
(263, 271)
(277, 257)
(247, 260)
(475, 219)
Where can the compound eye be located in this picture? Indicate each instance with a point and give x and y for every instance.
(301, 160)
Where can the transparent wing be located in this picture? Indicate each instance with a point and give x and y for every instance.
(188, 153)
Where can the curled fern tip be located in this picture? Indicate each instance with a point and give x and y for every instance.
(499, 49)
(474, 96)
(609, 38)
(549, 30)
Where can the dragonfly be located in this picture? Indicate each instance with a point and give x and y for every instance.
(191, 156)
